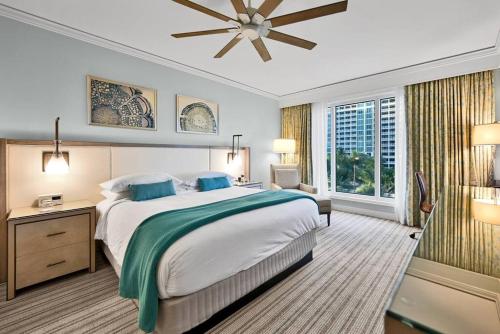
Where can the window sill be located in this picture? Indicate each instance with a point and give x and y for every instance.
(363, 199)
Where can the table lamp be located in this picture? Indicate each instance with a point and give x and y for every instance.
(284, 147)
(486, 134)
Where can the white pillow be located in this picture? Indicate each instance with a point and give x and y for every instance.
(112, 196)
(120, 184)
(192, 180)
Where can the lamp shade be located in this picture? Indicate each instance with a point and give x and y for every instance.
(284, 146)
(488, 134)
(486, 211)
(57, 165)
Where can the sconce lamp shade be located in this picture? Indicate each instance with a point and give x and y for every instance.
(284, 146)
(488, 134)
(57, 165)
(486, 211)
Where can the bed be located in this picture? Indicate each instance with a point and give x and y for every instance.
(209, 271)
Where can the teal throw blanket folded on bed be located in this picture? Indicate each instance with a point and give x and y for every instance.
(157, 233)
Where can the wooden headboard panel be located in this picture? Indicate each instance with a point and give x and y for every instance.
(22, 179)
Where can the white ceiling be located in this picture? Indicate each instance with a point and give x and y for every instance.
(373, 36)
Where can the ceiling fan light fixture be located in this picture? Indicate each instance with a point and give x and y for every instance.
(244, 18)
(258, 19)
(253, 31)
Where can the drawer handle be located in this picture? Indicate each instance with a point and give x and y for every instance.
(55, 264)
(54, 234)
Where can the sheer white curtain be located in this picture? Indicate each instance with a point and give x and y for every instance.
(400, 201)
(318, 142)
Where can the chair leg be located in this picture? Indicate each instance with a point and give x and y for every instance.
(328, 218)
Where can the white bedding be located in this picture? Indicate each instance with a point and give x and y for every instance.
(215, 251)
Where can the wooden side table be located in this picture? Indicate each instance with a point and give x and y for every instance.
(48, 243)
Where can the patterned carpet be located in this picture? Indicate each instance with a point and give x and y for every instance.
(344, 290)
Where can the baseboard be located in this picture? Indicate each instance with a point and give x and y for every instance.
(364, 212)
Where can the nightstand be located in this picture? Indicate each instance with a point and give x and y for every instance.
(48, 243)
(257, 185)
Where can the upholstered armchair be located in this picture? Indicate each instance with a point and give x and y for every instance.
(287, 176)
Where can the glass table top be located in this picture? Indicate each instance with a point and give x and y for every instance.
(459, 246)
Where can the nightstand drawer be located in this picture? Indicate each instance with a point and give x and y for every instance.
(33, 238)
(35, 268)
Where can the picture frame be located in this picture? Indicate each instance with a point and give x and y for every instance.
(121, 105)
(197, 116)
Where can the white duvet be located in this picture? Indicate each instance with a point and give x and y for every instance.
(215, 251)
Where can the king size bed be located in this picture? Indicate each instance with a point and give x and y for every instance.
(205, 274)
(211, 270)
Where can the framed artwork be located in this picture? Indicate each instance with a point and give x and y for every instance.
(197, 116)
(117, 104)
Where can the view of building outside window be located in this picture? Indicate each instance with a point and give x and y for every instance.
(387, 146)
(355, 146)
(329, 149)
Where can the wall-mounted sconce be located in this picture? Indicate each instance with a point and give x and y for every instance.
(55, 162)
(235, 151)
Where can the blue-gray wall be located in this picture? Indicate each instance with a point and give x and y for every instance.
(42, 76)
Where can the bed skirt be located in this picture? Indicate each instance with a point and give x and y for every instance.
(180, 314)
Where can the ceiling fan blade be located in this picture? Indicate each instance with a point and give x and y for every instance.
(204, 32)
(288, 39)
(268, 6)
(241, 9)
(309, 14)
(229, 46)
(261, 49)
(204, 10)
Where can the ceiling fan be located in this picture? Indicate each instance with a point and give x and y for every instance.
(254, 24)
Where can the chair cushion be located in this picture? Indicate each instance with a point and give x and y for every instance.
(287, 178)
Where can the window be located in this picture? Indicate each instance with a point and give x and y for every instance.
(354, 162)
(387, 146)
(361, 147)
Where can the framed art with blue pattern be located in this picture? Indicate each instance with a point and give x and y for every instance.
(198, 116)
(117, 104)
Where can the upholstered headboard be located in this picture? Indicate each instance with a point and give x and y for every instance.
(94, 163)
(22, 179)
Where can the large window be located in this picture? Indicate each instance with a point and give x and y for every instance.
(361, 147)
(387, 146)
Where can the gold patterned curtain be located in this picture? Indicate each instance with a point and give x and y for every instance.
(440, 115)
(296, 124)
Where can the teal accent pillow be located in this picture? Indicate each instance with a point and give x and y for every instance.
(144, 192)
(212, 183)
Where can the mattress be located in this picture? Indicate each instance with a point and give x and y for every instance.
(215, 251)
(179, 314)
